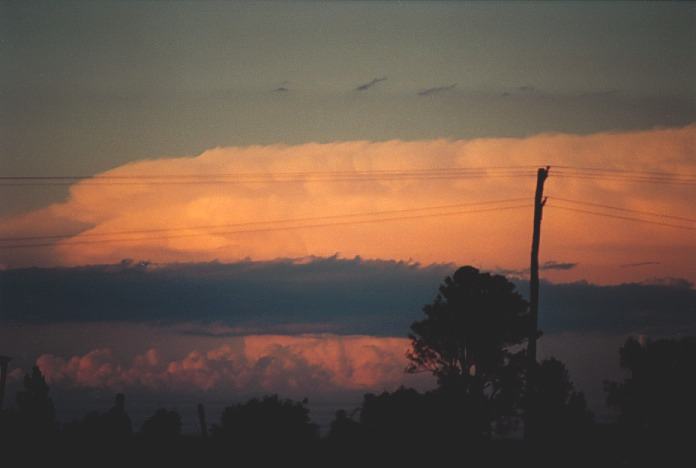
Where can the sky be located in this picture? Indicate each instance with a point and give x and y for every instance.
(151, 285)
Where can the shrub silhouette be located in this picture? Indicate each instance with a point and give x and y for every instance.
(402, 416)
(555, 411)
(656, 404)
(113, 425)
(269, 420)
(37, 415)
(405, 425)
(344, 429)
(164, 424)
(116, 422)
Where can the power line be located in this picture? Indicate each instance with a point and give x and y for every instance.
(472, 169)
(272, 176)
(627, 218)
(351, 175)
(269, 229)
(346, 176)
(255, 223)
(623, 171)
(685, 182)
(386, 177)
(627, 176)
(648, 213)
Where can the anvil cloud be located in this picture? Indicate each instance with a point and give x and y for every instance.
(490, 239)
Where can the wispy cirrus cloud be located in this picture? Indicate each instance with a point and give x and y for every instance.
(282, 87)
(638, 264)
(549, 265)
(436, 90)
(553, 265)
(370, 84)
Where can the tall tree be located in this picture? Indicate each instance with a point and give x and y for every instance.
(470, 328)
(468, 338)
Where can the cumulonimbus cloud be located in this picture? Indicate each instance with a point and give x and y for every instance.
(487, 238)
(287, 364)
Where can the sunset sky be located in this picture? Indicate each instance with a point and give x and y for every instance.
(261, 196)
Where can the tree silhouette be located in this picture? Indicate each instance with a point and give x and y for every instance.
(37, 414)
(346, 440)
(469, 328)
(344, 429)
(268, 420)
(555, 411)
(116, 422)
(431, 428)
(164, 424)
(466, 341)
(656, 401)
(399, 417)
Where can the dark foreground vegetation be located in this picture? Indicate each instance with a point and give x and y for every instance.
(490, 408)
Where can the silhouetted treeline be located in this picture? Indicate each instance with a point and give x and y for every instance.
(655, 406)
(487, 397)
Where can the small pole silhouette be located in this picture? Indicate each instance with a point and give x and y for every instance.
(4, 360)
(201, 420)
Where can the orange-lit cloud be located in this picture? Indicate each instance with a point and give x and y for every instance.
(271, 363)
(493, 239)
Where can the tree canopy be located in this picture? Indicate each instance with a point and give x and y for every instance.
(164, 424)
(470, 328)
(657, 399)
(467, 340)
(270, 418)
(555, 410)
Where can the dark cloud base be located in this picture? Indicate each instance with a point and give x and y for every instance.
(346, 296)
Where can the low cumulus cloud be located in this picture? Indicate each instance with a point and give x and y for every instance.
(284, 296)
(670, 282)
(662, 307)
(286, 364)
(320, 295)
(15, 375)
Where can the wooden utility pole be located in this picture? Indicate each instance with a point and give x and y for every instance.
(539, 202)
